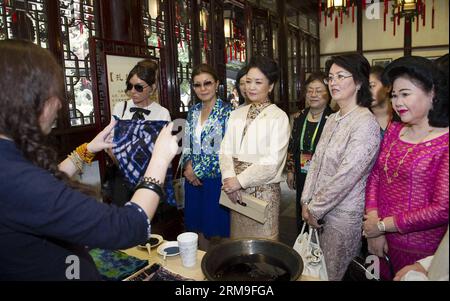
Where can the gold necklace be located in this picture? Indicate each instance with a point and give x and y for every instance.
(408, 151)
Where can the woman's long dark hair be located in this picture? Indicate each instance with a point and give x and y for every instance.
(30, 76)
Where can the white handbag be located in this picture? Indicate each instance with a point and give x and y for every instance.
(311, 253)
(178, 187)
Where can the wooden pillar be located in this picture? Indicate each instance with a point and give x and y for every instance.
(359, 27)
(283, 55)
(121, 20)
(408, 36)
(171, 54)
(218, 44)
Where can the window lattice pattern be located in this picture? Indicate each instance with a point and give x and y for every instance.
(22, 19)
(77, 25)
(183, 30)
(154, 31)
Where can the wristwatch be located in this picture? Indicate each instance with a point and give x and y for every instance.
(306, 202)
(381, 226)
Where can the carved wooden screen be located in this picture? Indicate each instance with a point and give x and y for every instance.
(77, 26)
(293, 69)
(261, 34)
(24, 20)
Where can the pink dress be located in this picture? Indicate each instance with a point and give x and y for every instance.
(417, 198)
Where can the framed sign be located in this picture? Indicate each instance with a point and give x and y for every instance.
(381, 62)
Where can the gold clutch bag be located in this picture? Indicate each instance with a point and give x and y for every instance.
(249, 206)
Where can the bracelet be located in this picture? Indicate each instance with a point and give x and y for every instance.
(306, 202)
(151, 186)
(152, 180)
(76, 160)
(85, 154)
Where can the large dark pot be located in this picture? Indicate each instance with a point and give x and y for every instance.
(252, 259)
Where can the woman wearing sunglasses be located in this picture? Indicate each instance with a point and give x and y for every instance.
(205, 127)
(333, 195)
(141, 86)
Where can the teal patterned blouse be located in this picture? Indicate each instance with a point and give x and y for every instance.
(204, 154)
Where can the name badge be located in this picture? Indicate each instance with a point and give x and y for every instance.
(305, 161)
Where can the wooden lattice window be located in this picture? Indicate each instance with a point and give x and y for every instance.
(77, 26)
(22, 19)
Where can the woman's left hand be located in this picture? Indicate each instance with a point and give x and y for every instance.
(231, 185)
(309, 218)
(370, 228)
(104, 139)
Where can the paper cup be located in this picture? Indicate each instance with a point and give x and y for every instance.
(187, 242)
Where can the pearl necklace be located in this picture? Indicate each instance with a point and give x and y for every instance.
(408, 151)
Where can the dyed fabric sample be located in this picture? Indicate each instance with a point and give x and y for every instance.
(134, 141)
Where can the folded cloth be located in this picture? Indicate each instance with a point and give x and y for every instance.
(135, 140)
(116, 265)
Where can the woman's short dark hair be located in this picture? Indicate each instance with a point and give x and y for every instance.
(359, 67)
(424, 74)
(317, 76)
(243, 71)
(378, 71)
(267, 66)
(204, 68)
(145, 70)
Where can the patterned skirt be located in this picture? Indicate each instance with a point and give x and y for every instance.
(245, 227)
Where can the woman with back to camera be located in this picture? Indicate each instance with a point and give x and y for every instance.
(305, 135)
(43, 218)
(253, 151)
(333, 195)
(407, 197)
(205, 127)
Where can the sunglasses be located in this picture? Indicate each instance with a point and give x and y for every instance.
(208, 84)
(138, 87)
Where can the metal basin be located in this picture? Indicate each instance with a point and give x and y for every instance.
(252, 260)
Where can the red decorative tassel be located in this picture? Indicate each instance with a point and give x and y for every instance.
(159, 42)
(231, 52)
(384, 21)
(331, 14)
(398, 18)
(395, 23)
(14, 17)
(205, 41)
(363, 4)
(417, 23)
(419, 7)
(432, 16)
(353, 12)
(326, 18)
(424, 13)
(336, 27)
(226, 56)
(342, 15)
(320, 11)
(235, 51)
(187, 35)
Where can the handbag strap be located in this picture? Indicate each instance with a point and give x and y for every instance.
(178, 169)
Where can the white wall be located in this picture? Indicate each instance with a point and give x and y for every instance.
(376, 39)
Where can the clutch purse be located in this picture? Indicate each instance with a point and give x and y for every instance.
(249, 206)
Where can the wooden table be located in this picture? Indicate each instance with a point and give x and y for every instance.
(172, 263)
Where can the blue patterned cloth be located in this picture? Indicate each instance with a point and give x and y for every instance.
(116, 265)
(204, 154)
(135, 140)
